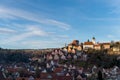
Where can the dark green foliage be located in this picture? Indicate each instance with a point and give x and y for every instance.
(37, 73)
(102, 59)
(98, 58)
(7, 56)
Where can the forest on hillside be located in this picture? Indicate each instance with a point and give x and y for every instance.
(99, 58)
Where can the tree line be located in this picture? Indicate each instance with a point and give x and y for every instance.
(7, 56)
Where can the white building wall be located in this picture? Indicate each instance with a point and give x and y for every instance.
(88, 46)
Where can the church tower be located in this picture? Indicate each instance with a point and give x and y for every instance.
(93, 40)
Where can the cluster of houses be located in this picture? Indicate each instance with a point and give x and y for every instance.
(72, 47)
(49, 68)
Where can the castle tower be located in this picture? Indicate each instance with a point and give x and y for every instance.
(93, 40)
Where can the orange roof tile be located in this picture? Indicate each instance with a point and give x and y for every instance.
(88, 43)
(43, 75)
(97, 45)
(58, 70)
(12, 70)
(63, 78)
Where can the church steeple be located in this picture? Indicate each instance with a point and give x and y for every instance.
(93, 40)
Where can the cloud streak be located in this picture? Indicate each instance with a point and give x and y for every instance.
(16, 13)
(115, 4)
(101, 19)
(30, 32)
(42, 44)
(6, 31)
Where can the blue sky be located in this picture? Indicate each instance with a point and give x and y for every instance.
(52, 23)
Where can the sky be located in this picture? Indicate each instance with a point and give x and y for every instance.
(36, 24)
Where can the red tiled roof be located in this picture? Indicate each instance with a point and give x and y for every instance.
(88, 43)
(45, 78)
(58, 70)
(12, 70)
(74, 42)
(43, 75)
(97, 45)
(63, 78)
(25, 78)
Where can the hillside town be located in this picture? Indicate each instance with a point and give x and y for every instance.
(84, 61)
(112, 47)
(59, 39)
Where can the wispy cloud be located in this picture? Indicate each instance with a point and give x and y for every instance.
(6, 31)
(102, 19)
(36, 26)
(43, 44)
(111, 13)
(30, 32)
(116, 6)
(36, 31)
(16, 13)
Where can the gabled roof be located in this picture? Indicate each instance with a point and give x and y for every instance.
(88, 43)
(97, 45)
(12, 70)
(75, 42)
(58, 70)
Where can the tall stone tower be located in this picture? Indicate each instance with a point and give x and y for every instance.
(93, 40)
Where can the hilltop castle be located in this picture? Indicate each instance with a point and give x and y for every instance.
(75, 45)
